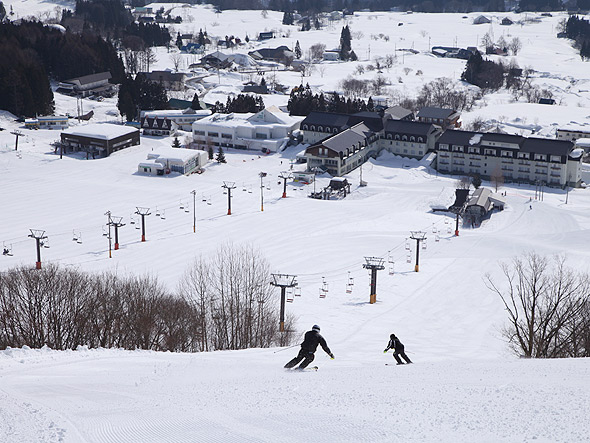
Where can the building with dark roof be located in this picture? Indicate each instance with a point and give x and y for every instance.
(445, 118)
(343, 152)
(513, 158)
(92, 84)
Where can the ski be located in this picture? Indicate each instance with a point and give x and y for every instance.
(311, 368)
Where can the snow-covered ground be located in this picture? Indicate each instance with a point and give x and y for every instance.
(465, 385)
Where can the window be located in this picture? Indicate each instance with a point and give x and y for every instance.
(320, 129)
(443, 147)
(412, 138)
(199, 132)
(555, 158)
(397, 136)
(260, 136)
(335, 130)
(404, 137)
(420, 140)
(312, 127)
(305, 127)
(213, 134)
(226, 135)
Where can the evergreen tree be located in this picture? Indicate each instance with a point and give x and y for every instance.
(370, 105)
(220, 158)
(176, 143)
(288, 18)
(297, 50)
(196, 104)
(179, 41)
(210, 152)
(345, 43)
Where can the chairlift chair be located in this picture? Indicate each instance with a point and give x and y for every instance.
(157, 212)
(408, 258)
(437, 238)
(203, 198)
(322, 293)
(297, 292)
(209, 201)
(181, 205)
(45, 243)
(105, 231)
(407, 244)
(250, 190)
(324, 284)
(424, 244)
(391, 268)
(7, 250)
(163, 214)
(131, 219)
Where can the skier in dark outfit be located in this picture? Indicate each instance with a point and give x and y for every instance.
(308, 347)
(398, 349)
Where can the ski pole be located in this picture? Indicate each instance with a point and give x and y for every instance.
(284, 349)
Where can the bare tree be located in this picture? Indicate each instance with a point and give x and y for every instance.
(515, 45)
(546, 304)
(176, 59)
(497, 177)
(316, 51)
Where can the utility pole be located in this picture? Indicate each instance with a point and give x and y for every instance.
(262, 175)
(194, 192)
(38, 235)
(229, 186)
(109, 224)
(283, 281)
(143, 212)
(117, 223)
(18, 134)
(419, 236)
(374, 264)
(285, 175)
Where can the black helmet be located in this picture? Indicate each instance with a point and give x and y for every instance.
(315, 328)
(392, 336)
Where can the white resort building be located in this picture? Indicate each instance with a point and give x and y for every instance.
(268, 130)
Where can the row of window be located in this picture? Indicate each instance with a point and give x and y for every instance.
(493, 153)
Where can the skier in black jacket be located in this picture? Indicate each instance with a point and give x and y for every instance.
(308, 347)
(398, 349)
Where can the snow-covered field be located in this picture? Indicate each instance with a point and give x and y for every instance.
(465, 385)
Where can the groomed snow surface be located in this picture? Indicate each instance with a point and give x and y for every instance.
(465, 386)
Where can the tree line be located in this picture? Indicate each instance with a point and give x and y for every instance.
(302, 101)
(32, 54)
(224, 303)
(578, 30)
(241, 103)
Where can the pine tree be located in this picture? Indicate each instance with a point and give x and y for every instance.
(345, 43)
(220, 158)
(179, 41)
(176, 143)
(297, 50)
(196, 104)
(210, 151)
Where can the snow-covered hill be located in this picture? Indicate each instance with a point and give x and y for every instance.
(465, 386)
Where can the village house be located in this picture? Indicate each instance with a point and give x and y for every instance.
(99, 138)
(511, 157)
(480, 205)
(93, 84)
(266, 35)
(445, 118)
(268, 130)
(173, 81)
(282, 54)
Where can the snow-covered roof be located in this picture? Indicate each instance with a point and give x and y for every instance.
(271, 116)
(174, 154)
(172, 113)
(103, 131)
(583, 142)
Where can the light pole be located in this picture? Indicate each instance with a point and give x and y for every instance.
(283, 281)
(419, 236)
(109, 224)
(229, 186)
(143, 212)
(262, 175)
(374, 264)
(38, 235)
(194, 192)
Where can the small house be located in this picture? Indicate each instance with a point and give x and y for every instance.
(93, 84)
(266, 35)
(100, 138)
(49, 122)
(481, 20)
(546, 101)
(303, 177)
(166, 160)
(331, 56)
(506, 21)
